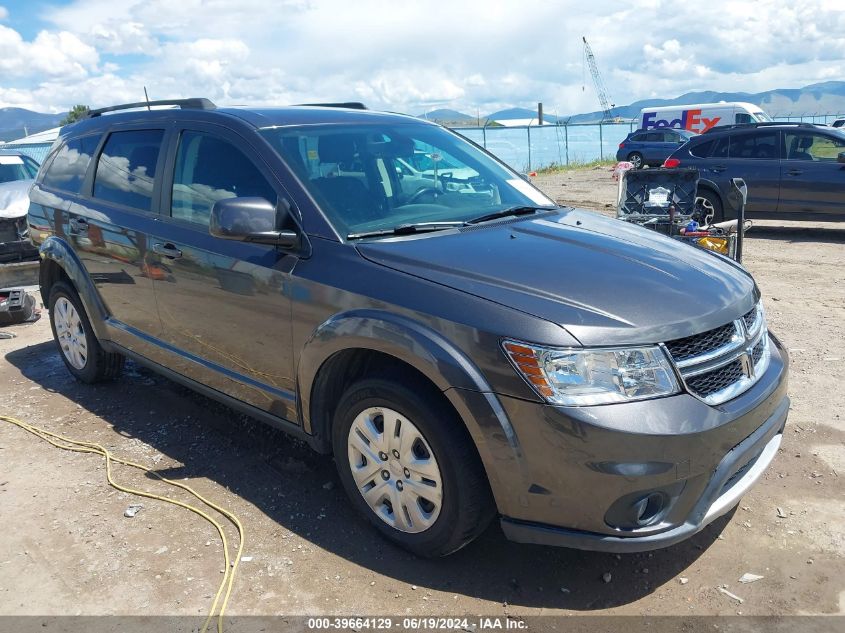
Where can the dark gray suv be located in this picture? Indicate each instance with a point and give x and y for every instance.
(794, 171)
(463, 347)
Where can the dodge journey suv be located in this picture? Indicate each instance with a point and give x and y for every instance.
(463, 347)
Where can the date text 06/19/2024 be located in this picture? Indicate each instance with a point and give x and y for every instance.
(415, 623)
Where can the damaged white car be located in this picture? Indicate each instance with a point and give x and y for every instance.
(17, 172)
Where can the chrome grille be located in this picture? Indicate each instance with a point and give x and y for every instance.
(722, 363)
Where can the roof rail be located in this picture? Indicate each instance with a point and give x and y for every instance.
(751, 126)
(351, 105)
(190, 104)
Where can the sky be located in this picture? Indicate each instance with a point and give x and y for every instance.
(409, 56)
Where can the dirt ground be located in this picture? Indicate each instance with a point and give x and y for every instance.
(66, 547)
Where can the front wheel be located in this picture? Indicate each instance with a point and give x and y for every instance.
(409, 467)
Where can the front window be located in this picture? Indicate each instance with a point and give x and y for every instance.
(762, 116)
(372, 177)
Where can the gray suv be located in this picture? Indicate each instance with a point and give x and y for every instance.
(465, 349)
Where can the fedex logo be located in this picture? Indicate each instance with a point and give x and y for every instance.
(690, 120)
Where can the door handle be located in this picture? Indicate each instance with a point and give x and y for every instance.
(795, 172)
(167, 250)
(718, 169)
(78, 225)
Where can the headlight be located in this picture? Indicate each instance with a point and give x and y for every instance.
(583, 377)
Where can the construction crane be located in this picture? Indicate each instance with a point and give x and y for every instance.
(601, 91)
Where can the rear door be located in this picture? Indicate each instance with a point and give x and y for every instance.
(755, 157)
(224, 304)
(109, 226)
(812, 181)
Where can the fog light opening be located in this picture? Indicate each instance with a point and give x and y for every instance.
(648, 509)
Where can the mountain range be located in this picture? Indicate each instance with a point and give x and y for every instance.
(820, 98)
(18, 122)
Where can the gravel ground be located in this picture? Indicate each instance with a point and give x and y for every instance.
(68, 549)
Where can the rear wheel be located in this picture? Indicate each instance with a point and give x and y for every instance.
(78, 346)
(636, 159)
(709, 207)
(410, 467)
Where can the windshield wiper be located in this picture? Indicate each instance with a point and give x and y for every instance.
(504, 213)
(408, 229)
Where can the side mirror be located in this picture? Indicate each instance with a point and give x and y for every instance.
(840, 158)
(249, 220)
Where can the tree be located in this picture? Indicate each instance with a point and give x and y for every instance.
(76, 113)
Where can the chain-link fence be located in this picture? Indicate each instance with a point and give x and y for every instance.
(530, 147)
(36, 151)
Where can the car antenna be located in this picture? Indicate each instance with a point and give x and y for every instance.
(147, 98)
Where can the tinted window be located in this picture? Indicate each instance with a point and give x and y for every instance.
(720, 147)
(702, 150)
(807, 146)
(654, 137)
(742, 117)
(759, 145)
(209, 169)
(638, 137)
(70, 164)
(127, 166)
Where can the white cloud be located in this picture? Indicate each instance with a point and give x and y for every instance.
(412, 56)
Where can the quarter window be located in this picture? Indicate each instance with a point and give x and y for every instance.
(127, 166)
(70, 164)
(209, 169)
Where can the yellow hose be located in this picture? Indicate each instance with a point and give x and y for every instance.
(67, 444)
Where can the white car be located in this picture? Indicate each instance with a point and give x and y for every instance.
(17, 172)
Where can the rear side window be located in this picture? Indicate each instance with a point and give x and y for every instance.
(209, 169)
(127, 166)
(70, 164)
(702, 150)
(756, 146)
(638, 137)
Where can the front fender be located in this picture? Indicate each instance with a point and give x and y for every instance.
(57, 250)
(434, 356)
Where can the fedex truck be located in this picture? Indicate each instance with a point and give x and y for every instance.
(700, 117)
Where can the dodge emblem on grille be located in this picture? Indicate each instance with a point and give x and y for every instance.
(747, 362)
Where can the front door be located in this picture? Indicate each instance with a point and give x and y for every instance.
(223, 304)
(754, 157)
(812, 181)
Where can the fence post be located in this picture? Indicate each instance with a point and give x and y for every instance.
(601, 143)
(566, 139)
(528, 129)
(484, 134)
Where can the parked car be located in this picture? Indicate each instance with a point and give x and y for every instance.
(651, 147)
(461, 354)
(17, 171)
(794, 171)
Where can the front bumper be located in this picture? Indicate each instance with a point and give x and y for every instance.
(578, 466)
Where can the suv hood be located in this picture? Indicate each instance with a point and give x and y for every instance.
(14, 198)
(605, 281)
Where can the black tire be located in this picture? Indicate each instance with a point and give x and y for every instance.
(636, 159)
(99, 364)
(711, 198)
(467, 503)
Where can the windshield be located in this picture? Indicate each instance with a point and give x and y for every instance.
(13, 167)
(762, 116)
(375, 177)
